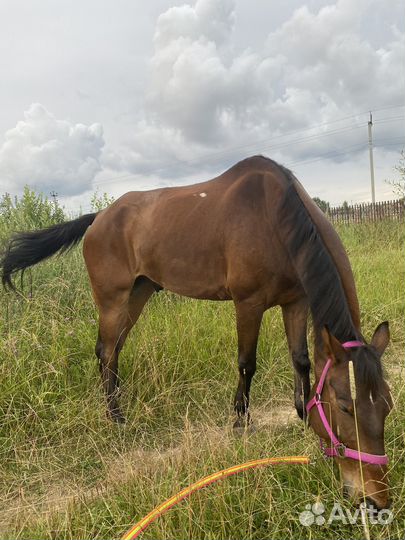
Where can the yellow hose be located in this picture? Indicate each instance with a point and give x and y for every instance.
(139, 527)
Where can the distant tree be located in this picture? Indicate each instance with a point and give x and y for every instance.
(398, 184)
(323, 205)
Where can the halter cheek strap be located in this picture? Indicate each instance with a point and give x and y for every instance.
(339, 449)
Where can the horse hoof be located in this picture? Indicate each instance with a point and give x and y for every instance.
(301, 410)
(116, 416)
(243, 425)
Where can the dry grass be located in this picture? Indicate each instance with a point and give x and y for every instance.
(66, 472)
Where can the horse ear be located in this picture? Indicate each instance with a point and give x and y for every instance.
(381, 337)
(332, 346)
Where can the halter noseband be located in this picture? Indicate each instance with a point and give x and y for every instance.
(339, 449)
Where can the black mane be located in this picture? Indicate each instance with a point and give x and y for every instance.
(315, 267)
(368, 371)
(323, 286)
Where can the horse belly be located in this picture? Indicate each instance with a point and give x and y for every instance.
(191, 278)
(195, 268)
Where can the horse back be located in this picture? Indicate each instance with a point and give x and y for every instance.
(219, 239)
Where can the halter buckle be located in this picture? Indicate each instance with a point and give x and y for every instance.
(340, 450)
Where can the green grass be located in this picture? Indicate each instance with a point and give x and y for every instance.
(67, 472)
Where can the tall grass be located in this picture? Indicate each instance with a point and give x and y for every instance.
(67, 472)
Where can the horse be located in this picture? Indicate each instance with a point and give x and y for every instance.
(254, 236)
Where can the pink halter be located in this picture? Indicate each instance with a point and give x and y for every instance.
(339, 449)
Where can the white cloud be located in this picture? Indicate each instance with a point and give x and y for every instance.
(221, 79)
(210, 19)
(198, 84)
(326, 54)
(50, 154)
(206, 95)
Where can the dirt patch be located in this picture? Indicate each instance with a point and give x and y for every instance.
(60, 496)
(274, 418)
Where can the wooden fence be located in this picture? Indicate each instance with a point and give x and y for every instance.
(368, 213)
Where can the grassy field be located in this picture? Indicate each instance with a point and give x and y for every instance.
(67, 472)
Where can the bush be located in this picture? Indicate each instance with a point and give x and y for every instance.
(30, 211)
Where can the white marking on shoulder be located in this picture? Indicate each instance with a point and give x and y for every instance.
(203, 194)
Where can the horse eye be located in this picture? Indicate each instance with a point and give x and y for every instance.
(345, 407)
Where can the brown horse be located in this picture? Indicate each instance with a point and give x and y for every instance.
(253, 236)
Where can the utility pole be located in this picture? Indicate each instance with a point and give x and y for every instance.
(370, 149)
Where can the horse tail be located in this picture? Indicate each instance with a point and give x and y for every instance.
(26, 249)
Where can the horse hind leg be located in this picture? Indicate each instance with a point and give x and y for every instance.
(112, 322)
(116, 320)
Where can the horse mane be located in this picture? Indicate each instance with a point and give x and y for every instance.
(322, 284)
(314, 265)
(368, 371)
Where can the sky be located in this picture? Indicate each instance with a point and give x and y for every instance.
(132, 95)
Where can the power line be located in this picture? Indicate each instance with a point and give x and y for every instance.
(350, 150)
(335, 153)
(255, 144)
(382, 143)
(221, 157)
(261, 144)
(389, 119)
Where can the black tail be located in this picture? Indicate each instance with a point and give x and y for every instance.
(28, 248)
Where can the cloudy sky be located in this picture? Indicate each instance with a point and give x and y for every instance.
(127, 95)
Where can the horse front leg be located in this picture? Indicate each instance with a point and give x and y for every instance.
(295, 316)
(248, 320)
